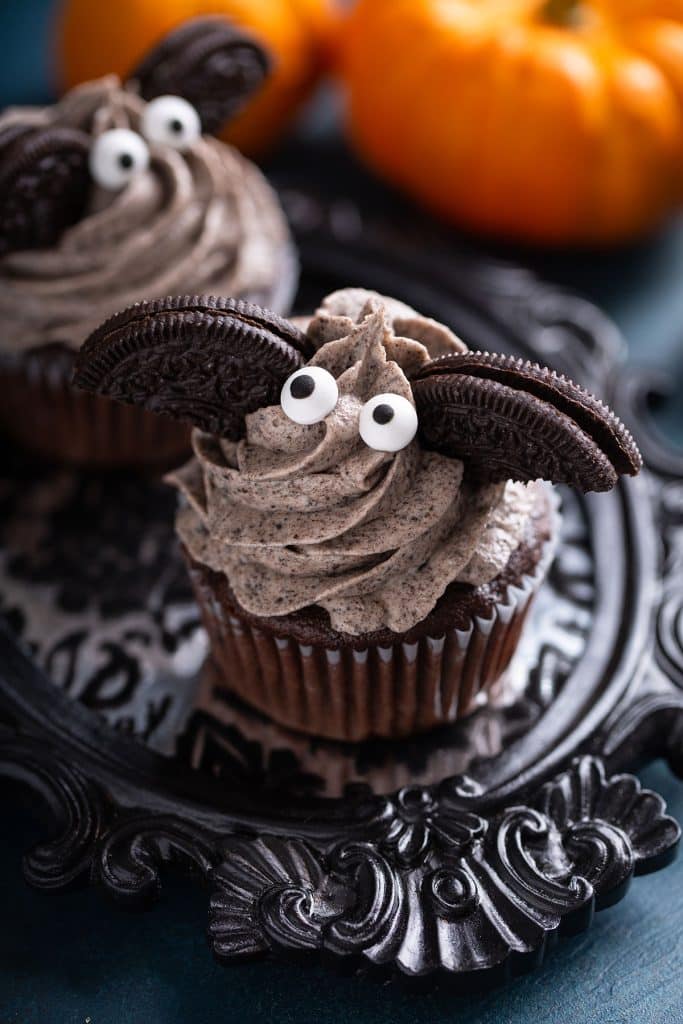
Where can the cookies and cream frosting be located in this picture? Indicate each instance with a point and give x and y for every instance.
(203, 220)
(298, 515)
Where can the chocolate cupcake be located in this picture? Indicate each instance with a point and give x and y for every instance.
(365, 518)
(115, 193)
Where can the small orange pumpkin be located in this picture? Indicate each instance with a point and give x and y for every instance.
(100, 37)
(556, 121)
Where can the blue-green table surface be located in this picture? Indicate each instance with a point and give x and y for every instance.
(74, 958)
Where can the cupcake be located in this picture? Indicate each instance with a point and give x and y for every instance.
(368, 513)
(118, 192)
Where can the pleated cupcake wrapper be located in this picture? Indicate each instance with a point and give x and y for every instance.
(347, 694)
(385, 765)
(45, 414)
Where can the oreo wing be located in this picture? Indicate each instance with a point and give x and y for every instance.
(209, 62)
(208, 361)
(512, 420)
(44, 185)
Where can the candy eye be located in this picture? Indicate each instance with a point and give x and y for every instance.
(171, 121)
(309, 395)
(388, 423)
(116, 157)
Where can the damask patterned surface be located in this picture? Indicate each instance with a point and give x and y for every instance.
(92, 582)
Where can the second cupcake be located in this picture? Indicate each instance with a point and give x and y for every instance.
(117, 192)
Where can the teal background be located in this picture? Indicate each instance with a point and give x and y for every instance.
(28, 70)
(71, 958)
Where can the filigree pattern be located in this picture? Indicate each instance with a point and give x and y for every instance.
(418, 822)
(296, 897)
(75, 806)
(670, 617)
(632, 823)
(487, 892)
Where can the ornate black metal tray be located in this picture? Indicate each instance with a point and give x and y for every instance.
(464, 853)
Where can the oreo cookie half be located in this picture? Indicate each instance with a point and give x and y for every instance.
(210, 63)
(514, 420)
(206, 360)
(44, 185)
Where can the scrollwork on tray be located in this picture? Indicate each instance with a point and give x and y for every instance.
(486, 891)
(75, 806)
(483, 892)
(670, 614)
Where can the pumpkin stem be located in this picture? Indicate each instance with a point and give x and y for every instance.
(566, 13)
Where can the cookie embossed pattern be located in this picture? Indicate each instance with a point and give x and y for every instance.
(461, 856)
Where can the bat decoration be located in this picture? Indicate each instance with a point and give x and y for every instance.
(208, 62)
(194, 81)
(209, 361)
(212, 361)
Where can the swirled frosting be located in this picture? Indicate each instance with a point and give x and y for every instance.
(309, 515)
(203, 221)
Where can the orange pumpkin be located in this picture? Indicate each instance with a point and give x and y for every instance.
(554, 121)
(100, 37)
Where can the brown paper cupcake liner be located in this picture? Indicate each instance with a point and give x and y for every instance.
(42, 412)
(384, 764)
(346, 694)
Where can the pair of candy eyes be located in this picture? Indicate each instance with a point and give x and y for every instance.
(387, 422)
(119, 154)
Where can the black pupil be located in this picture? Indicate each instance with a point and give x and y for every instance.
(383, 414)
(176, 126)
(303, 386)
(126, 161)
